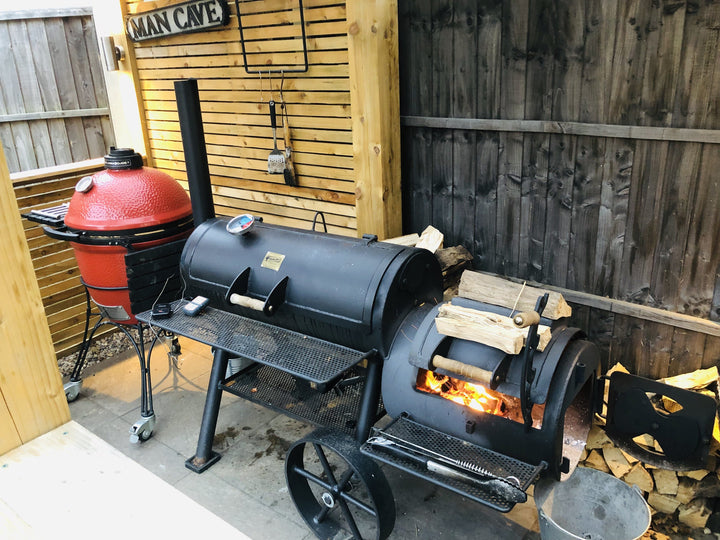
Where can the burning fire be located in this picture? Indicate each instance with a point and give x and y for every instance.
(474, 396)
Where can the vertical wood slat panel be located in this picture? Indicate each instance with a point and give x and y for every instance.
(30, 384)
(512, 83)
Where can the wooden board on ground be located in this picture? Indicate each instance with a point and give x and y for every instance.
(91, 489)
(501, 292)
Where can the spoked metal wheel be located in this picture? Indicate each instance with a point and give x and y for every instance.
(339, 492)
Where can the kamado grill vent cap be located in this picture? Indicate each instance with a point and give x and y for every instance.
(120, 159)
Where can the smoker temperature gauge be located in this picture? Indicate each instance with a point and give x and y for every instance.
(240, 224)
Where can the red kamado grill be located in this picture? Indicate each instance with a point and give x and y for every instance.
(339, 331)
(124, 208)
(127, 225)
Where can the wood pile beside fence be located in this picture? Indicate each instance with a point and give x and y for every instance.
(62, 292)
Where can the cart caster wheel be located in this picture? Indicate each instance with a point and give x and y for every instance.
(72, 390)
(142, 430)
(336, 488)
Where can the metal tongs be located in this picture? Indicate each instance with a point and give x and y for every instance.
(506, 487)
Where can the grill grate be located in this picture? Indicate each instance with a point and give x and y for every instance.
(306, 357)
(437, 442)
(284, 393)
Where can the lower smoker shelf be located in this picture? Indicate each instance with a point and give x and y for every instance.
(427, 441)
(280, 391)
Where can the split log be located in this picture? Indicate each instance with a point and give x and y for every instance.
(666, 481)
(695, 514)
(430, 239)
(596, 461)
(693, 381)
(639, 476)
(687, 490)
(407, 240)
(487, 328)
(698, 474)
(501, 292)
(662, 503)
(453, 259)
(597, 438)
(615, 460)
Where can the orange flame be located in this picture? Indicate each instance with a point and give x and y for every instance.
(474, 396)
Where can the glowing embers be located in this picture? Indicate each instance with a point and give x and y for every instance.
(475, 396)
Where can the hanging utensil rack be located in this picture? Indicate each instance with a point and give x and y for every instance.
(256, 69)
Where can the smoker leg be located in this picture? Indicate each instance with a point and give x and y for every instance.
(204, 456)
(370, 399)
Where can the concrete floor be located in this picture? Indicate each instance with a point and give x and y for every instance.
(247, 486)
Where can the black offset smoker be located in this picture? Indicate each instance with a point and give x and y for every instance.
(323, 322)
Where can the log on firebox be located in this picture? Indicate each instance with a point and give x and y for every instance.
(487, 328)
(501, 292)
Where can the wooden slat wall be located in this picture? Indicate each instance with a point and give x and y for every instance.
(51, 66)
(235, 110)
(32, 401)
(57, 274)
(637, 218)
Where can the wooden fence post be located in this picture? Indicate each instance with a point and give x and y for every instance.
(375, 108)
(32, 400)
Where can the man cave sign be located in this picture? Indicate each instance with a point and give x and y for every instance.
(193, 16)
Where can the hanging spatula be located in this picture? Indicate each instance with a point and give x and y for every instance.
(276, 159)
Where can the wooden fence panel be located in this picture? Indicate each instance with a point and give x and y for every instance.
(53, 102)
(562, 193)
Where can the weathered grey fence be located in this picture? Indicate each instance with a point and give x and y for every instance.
(53, 102)
(575, 144)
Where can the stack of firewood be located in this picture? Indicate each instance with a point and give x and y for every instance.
(687, 495)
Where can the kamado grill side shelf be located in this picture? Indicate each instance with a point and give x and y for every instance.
(510, 475)
(303, 356)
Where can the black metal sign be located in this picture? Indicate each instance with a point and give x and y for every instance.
(192, 16)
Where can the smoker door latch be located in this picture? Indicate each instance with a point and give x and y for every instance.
(528, 374)
(639, 423)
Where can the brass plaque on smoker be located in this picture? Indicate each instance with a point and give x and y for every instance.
(273, 261)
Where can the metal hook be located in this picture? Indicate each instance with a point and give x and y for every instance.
(262, 99)
(282, 82)
(271, 88)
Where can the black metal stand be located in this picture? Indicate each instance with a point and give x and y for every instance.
(204, 456)
(142, 430)
(287, 367)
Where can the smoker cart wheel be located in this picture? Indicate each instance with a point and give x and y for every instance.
(335, 487)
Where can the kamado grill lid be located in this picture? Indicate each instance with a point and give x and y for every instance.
(126, 196)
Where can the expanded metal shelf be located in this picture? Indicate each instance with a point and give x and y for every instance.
(339, 408)
(306, 357)
(497, 465)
